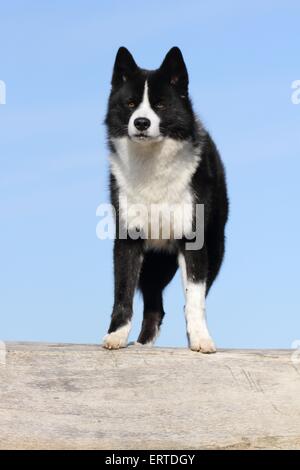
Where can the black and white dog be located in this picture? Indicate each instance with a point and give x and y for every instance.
(161, 158)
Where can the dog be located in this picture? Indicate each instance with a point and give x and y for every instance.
(161, 156)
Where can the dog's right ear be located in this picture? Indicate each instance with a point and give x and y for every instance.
(124, 67)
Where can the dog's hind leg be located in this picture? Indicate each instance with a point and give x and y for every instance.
(157, 271)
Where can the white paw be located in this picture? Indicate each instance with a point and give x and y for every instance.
(203, 344)
(117, 339)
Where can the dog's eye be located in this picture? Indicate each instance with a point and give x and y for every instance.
(131, 104)
(159, 105)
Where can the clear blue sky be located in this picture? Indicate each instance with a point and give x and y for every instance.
(56, 58)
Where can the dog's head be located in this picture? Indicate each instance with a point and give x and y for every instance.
(148, 106)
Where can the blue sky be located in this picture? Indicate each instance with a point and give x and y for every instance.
(56, 58)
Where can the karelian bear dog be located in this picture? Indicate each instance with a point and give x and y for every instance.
(169, 192)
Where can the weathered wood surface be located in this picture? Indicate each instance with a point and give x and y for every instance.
(83, 397)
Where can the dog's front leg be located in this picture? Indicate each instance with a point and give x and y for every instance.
(127, 265)
(194, 269)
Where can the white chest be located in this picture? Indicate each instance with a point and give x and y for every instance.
(155, 196)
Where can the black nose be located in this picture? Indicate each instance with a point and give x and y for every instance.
(142, 123)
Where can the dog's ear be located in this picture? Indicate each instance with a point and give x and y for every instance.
(124, 67)
(174, 69)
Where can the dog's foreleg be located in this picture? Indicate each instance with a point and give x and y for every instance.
(193, 266)
(127, 265)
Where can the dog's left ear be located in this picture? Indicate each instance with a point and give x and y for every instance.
(174, 68)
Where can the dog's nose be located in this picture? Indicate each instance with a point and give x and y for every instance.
(142, 123)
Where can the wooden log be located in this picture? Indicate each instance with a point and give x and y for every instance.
(56, 396)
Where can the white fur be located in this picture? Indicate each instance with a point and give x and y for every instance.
(117, 339)
(154, 177)
(145, 111)
(182, 266)
(198, 334)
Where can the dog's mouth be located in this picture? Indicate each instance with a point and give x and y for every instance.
(143, 137)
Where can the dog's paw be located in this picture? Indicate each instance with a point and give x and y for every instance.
(114, 341)
(117, 339)
(204, 345)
